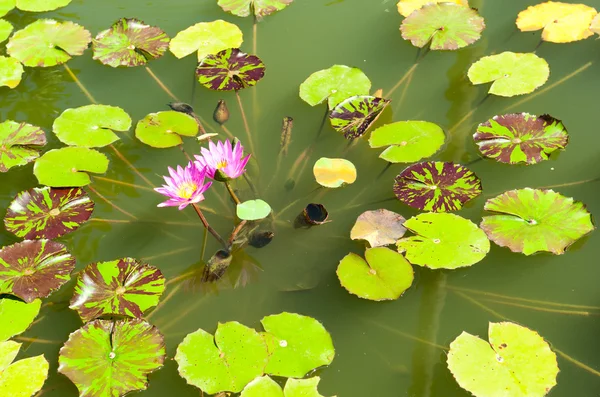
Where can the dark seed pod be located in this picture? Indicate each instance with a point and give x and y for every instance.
(181, 107)
(289, 184)
(216, 266)
(312, 215)
(261, 239)
(221, 114)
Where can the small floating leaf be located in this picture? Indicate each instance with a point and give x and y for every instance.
(48, 213)
(258, 8)
(385, 275)
(230, 70)
(437, 186)
(406, 7)
(444, 26)
(516, 362)
(302, 387)
(68, 166)
(267, 387)
(106, 358)
(561, 22)
(34, 269)
(206, 38)
(40, 5)
(6, 29)
(23, 378)
(443, 241)
(253, 210)
(129, 42)
(533, 220)
(335, 84)
(510, 73)
(228, 362)
(164, 129)
(520, 138)
(297, 345)
(16, 317)
(19, 143)
(379, 227)
(47, 42)
(354, 116)
(408, 141)
(334, 173)
(11, 71)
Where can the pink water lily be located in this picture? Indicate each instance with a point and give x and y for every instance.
(185, 186)
(223, 157)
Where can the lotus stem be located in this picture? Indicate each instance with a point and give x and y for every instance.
(236, 231)
(251, 185)
(111, 203)
(227, 132)
(208, 227)
(245, 120)
(387, 167)
(542, 309)
(404, 92)
(117, 182)
(188, 310)
(406, 335)
(204, 241)
(232, 193)
(168, 253)
(79, 84)
(576, 362)
(406, 75)
(38, 340)
(467, 116)
(131, 166)
(325, 116)
(184, 152)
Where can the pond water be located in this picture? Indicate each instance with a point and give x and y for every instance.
(382, 348)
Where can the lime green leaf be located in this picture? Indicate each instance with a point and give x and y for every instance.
(406, 7)
(41, 5)
(19, 143)
(6, 29)
(253, 210)
(23, 378)
(262, 387)
(408, 141)
(334, 173)
(6, 6)
(258, 8)
(267, 387)
(68, 166)
(206, 38)
(335, 84)
(11, 71)
(164, 129)
(16, 317)
(302, 387)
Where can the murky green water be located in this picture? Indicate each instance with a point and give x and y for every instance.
(393, 348)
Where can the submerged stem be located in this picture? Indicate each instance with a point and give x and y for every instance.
(208, 227)
(406, 75)
(236, 231)
(204, 241)
(79, 84)
(245, 120)
(128, 164)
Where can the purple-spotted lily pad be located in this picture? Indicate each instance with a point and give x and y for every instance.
(19, 143)
(105, 358)
(258, 8)
(34, 268)
(129, 42)
(230, 70)
(520, 138)
(47, 42)
(437, 186)
(124, 287)
(444, 26)
(355, 115)
(534, 220)
(48, 213)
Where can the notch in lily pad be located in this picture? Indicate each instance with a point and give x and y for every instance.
(408, 141)
(380, 227)
(355, 115)
(334, 173)
(165, 129)
(230, 70)
(206, 38)
(22, 378)
(561, 22)
(312, 215)
(253, 210)
(267, 387)
(258, 8)
(19, 144)
(67, 167)
(334, 84)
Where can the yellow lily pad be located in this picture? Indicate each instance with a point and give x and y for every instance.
(334, 172)
(406, 7)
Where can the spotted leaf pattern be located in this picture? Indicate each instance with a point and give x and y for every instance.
(355, 115)
(229, 70)
(19, 143)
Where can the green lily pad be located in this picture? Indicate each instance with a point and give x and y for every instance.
(297, 344)
(91, 125)
(408, 141)
(11, 72)
(533, 220)
(385, 275)
(34, 268)
(516, 362)
(16, 316)
(206, 38)
(67, 166)
(6, 6)
(437, 186)
(164, 129)
(106, 358)
(407, 7)
(6, 29)
(230, 70)
(48, 213)
(333, 173)
(267, 387)
(258, 8)
(380, 227)
(443, 241)
(335, 84)
(228, 362)
(40, 5)
(253, 210)
(19, 143)
(129, 42)
(23, 378)
(444, 26)
(123, 287)
(510, 73)
(520, 138)
(302, 387)
(354, 116)
(47, 42)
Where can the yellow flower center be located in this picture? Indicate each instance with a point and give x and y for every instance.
(186, 190)
(222, 164)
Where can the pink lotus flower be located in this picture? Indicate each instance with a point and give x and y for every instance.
(185, 186)
(221, 157)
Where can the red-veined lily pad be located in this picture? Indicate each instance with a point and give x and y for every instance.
(124, 287)
(297, 345)
(67, 167)
(6, 29)
(206, 38)
(129, 42)
(23, 378)
(443, 241)
(228, 362)
(230, 70)
(520, 138)
(48, 213)
(91, 125)
(355, 115)
(16, 316)
(47, 42)
(436, 186)
(561, 22)
(32, 5)
(533, 220)
(385, 274)
(34, 268)
(443, 26)
(19, 143)
(334, 84)
(106, 358)
(164, 129)
(408, 141)
(510, 73)
(334, 173)
(516, 362)
(11, 71)
(379, 227)
(406, 7)
(258, 8)
(267, 387)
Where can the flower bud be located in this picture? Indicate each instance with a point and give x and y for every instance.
(221, 114)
